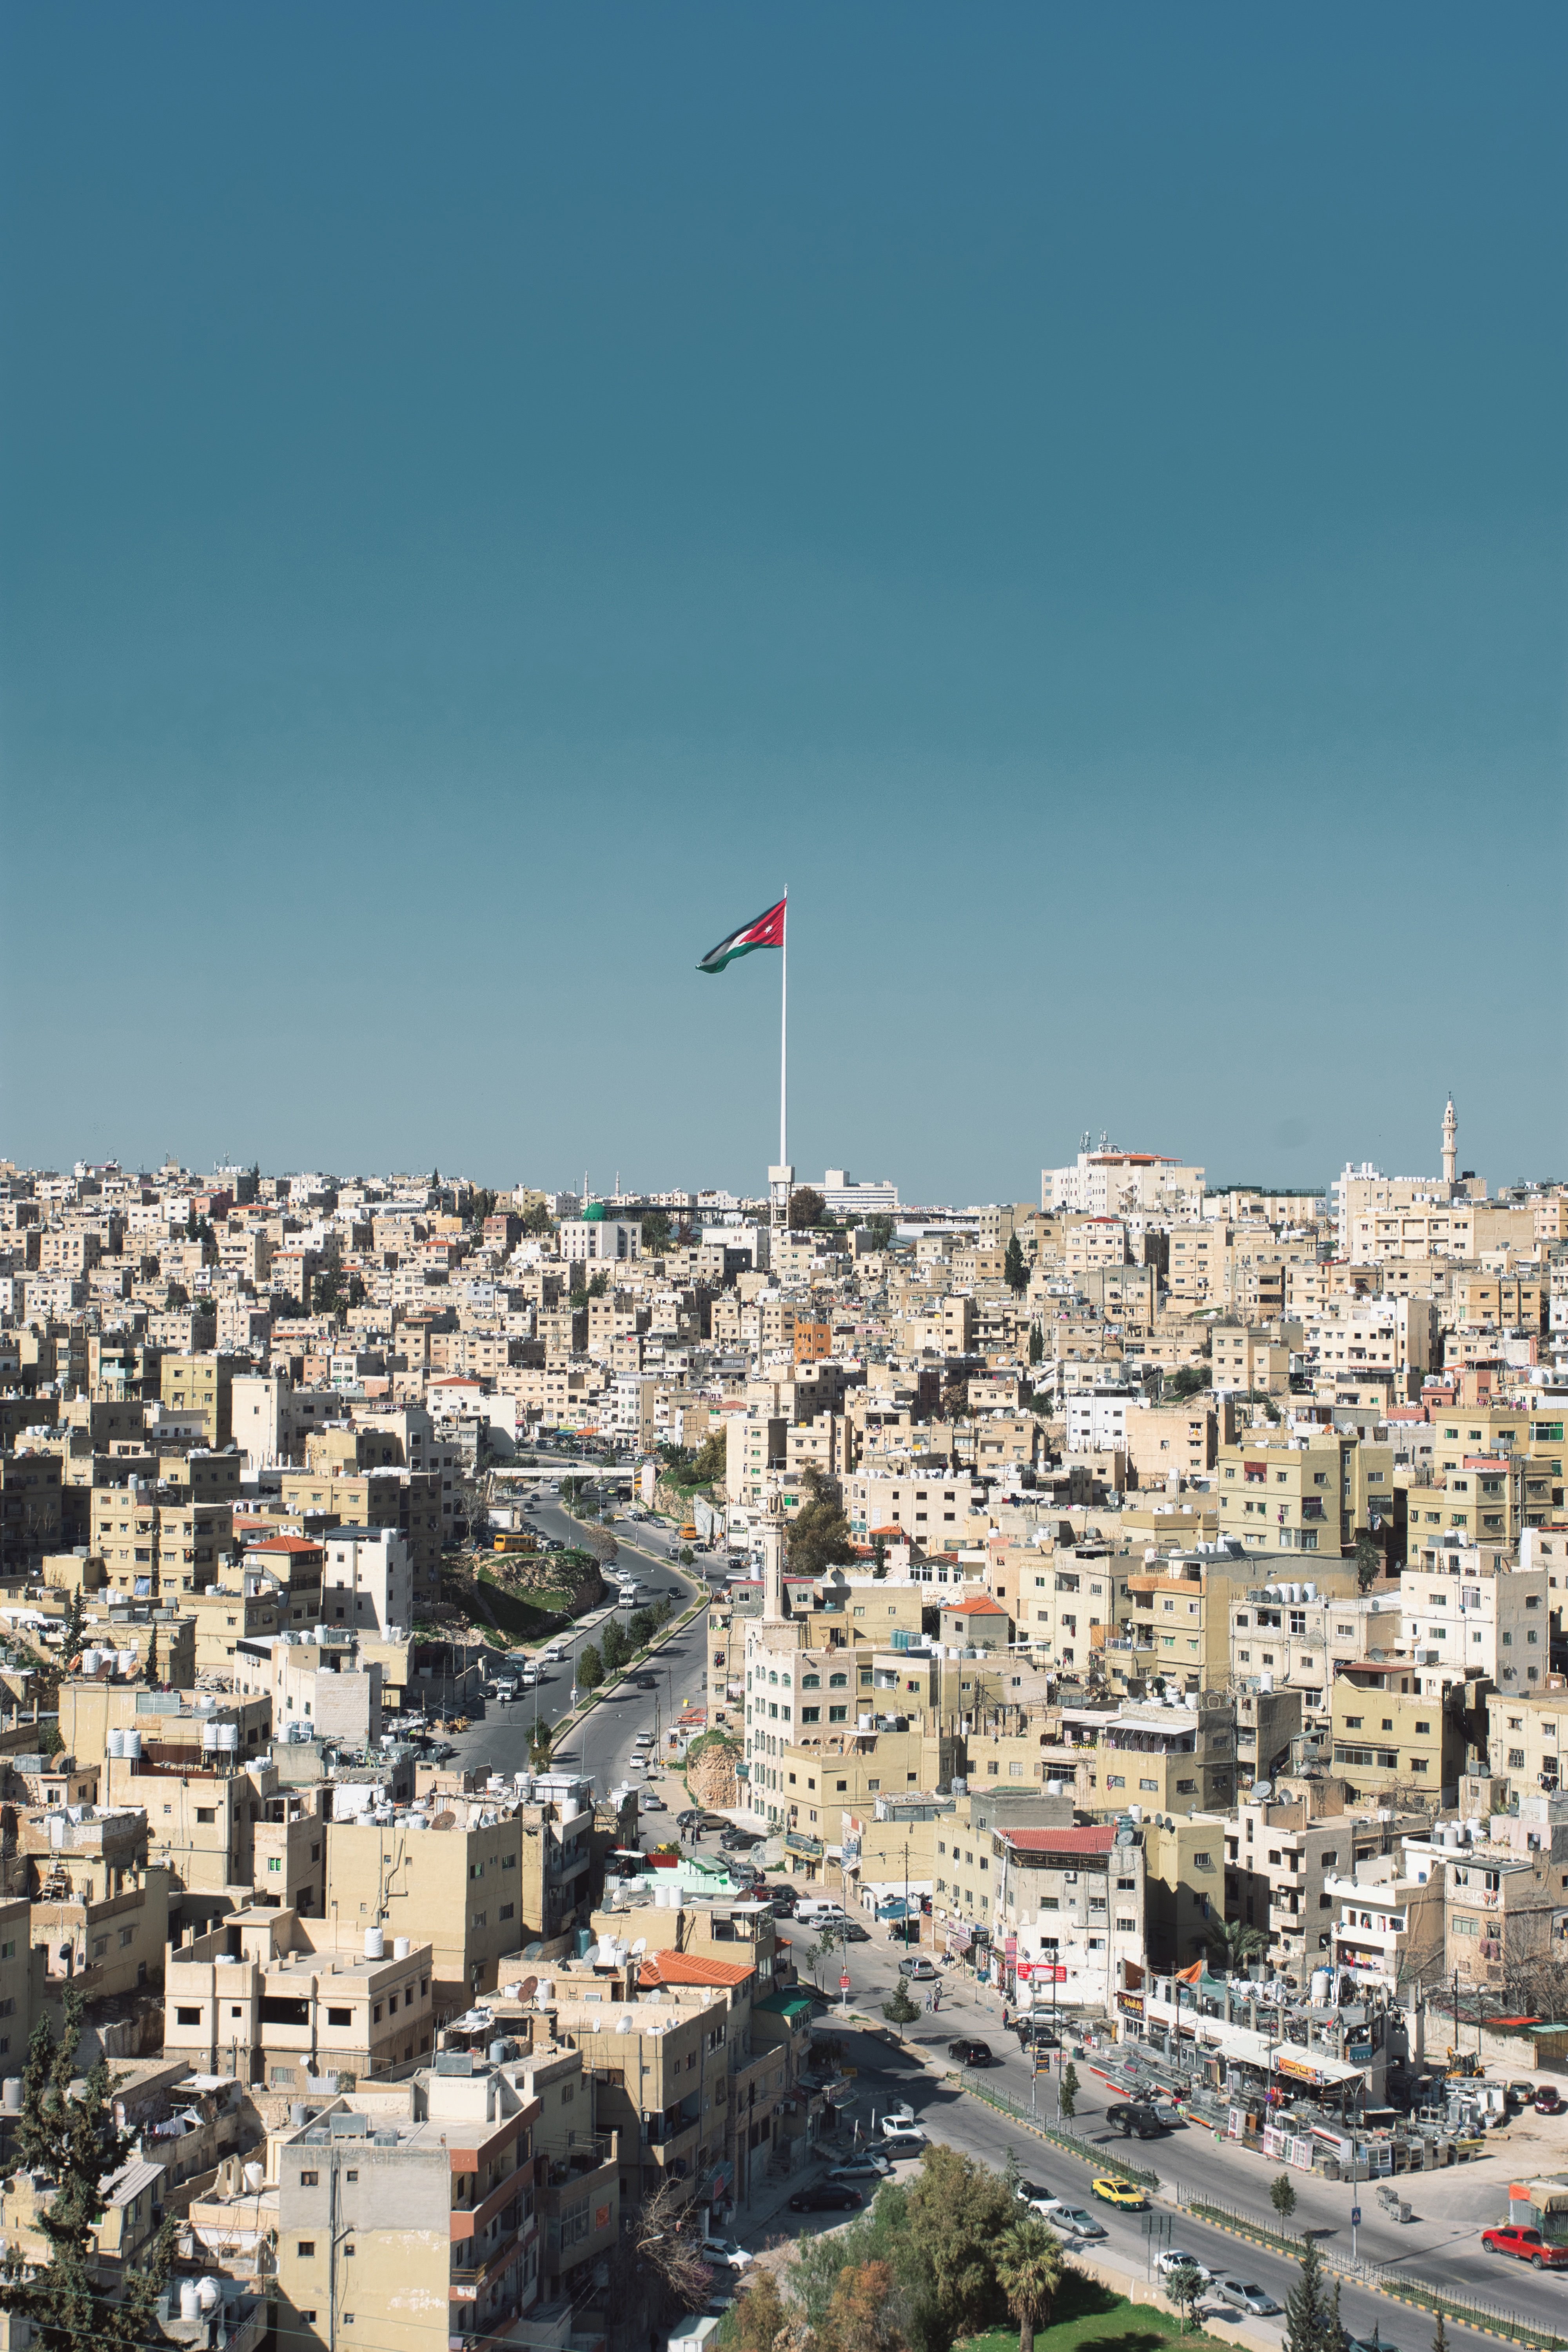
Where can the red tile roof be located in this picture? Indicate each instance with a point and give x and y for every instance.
(690, 1968)
(1097, 1838)
(978, 1607)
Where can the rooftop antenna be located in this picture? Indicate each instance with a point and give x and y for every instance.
(1104, 1140)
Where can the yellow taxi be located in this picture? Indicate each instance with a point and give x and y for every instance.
(1120, 2192)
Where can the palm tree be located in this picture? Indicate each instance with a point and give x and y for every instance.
(1029, 2272)
(1234, 1945)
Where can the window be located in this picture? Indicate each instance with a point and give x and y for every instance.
(309, 2179)
(340, 2017)
(207, 1813)
(305, 2250)
(185, 2016)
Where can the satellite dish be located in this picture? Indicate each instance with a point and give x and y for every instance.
(445, 1821)
(528, 1988)
(1264, 1789)
(532, 1951)
(640, 1947)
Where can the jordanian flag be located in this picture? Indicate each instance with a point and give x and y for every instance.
(767, 931)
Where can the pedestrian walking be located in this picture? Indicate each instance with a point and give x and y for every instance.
(936, 1997)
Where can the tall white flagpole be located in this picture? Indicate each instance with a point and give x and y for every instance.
(784, 1041)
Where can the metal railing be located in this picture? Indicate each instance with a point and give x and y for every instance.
(1386, 2277)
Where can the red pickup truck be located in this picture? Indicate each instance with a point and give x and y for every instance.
(1527, 2246)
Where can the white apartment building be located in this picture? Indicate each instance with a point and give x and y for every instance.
(1374, 1335)
(1302, 1638)
(1111, 1184)
(1097, 1420)
(596, 1240)
(1482, 1618)
(367, 1583)
(1074, 1900)
(934, 1510)
(871, 1196)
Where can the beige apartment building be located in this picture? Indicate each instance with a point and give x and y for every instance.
(1289, 1494)
(284, 2001)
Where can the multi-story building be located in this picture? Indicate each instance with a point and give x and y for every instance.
(1073, 1900)
(409, 2217)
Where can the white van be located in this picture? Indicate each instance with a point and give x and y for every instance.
(817, 1911)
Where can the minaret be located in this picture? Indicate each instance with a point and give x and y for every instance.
(1450, 1144)
(773, 1611)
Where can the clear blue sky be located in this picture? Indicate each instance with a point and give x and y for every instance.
(490, 494)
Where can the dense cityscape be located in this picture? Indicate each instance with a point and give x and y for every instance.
(544, 1676)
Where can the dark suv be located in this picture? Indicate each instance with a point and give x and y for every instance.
(971, 2053)
(1134, 2116)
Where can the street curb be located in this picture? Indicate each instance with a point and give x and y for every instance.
(1544, 2340)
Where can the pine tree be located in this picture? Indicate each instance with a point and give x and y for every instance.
(73, 2141)
(1309, 2313)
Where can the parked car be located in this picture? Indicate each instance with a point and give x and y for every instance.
(971, 2053)
(1526, 2246)
(1520, 2094)
(863, 2167)
(827, 2197)
(714, 1821)
(1125, 2193)
(1030, 2192)
(724, 2253)
(1034, 2033)
(902, 2139)
(918, 1971)
(688, 1820)
(1244, 2294)
(650, 1802)
(1174, 2259)
(1548, 2100)
(850, 1931)
(783, 1900)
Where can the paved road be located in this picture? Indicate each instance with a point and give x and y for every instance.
(602, 1745)
(1441, 2247)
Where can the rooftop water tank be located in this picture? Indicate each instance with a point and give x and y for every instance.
(375, 1944)
(132, 1745)
(190, 2301)
(401, 1947)
(127, 1661)
(114, 1743)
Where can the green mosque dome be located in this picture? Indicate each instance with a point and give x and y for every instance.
(595, 1211)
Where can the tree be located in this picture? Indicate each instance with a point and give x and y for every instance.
(901, 2009)
(537, 1220)
(958, 2209)
(656, 1233)
(1066, 2091)
(1029, 2272)
(73, 2141)
(819, 1535)
(1036, 1343)
(590, 1668)
(806, 1207)
(1282, 2196)
(878, 1231)
(670, 2251)
(176, 1296)
(1187, 1381)
(879, 1557)
(599, 1284)
(760, 2315)
(1185, 2285)
(859, 2316)
(151, 1669)
(709, 1462)
(1369, 1562)
(539, 1747)
(614, 1647)
(1233, 1945)
(1014, 1269)
(73, 1624)
(1309, 2313)
(1440, 2334)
